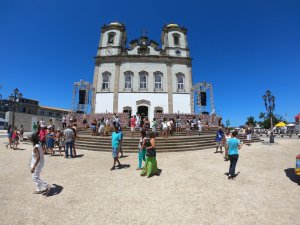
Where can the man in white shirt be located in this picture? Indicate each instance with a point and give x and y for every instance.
(69, 138)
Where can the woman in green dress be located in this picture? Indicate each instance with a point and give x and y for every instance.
(150, 168)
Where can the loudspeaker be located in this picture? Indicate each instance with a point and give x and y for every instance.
(82, 96)
(203, 98)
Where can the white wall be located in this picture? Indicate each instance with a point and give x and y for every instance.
(148, 67)
(181, 103)
(104, 102)
(176, 68)
(27, 120)
(156, 99)
(110, 67)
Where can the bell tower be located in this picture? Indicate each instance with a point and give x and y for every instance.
(174, 41)
(113, 39)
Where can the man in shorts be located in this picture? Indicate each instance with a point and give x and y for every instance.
(115, 143)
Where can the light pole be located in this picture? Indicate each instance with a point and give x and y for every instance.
(14, 101)
(269, 100)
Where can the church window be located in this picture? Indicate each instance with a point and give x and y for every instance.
(111, 37)
(143, 79)
(158, 80)
(105, 80)
(176, 38)
(128, 79)
(180, 81)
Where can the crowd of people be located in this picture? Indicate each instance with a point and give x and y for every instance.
(46, 138)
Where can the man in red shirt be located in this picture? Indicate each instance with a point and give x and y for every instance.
(132, 125)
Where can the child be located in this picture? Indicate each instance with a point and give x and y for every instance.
(115, 141)
(15, 139)
(37, 164)
(61, 142)
(50, 141)
(142, 149)
(219, 138)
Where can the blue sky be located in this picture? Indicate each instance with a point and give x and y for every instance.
(242, 47)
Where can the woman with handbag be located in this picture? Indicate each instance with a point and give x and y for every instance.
(150, 168)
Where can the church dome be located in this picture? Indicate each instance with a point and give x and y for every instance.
(115, 24)
(172, 25)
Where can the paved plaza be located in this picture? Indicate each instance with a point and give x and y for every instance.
(192, 188)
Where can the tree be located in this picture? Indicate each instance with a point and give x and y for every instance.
(266, 121)
(262, 115)
(250, 121)
(227, 123)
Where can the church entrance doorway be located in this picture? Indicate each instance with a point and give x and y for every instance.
(143, 111)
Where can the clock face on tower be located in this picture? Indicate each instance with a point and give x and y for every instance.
(178, 52)
(108, 51)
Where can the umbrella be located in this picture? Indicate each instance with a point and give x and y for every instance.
(280, 124)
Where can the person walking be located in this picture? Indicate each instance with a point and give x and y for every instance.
(69, 138)
(115, 141)
(142, 149)
(234, 145)
(37, 164)
(150, 168)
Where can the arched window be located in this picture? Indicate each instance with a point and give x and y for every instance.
(180, 81)
(143, 79)
(111, 37)
(176, 38)
(158, 80)
(128, 79)
(105, 80)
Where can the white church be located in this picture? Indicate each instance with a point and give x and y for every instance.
(144, 77)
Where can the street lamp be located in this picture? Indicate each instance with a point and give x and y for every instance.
(269, 100)
(14, 101)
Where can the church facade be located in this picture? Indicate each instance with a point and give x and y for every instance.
(144, 77)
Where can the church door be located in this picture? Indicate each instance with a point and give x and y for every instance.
(143, 111)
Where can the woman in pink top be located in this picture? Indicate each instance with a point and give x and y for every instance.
(42, 136)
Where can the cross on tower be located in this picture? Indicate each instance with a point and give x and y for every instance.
(144, 32)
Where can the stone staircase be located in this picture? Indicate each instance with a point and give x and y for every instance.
(172, 143)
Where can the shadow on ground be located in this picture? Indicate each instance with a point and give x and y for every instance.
(123, 166)
(290, 173)
(55, 190)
